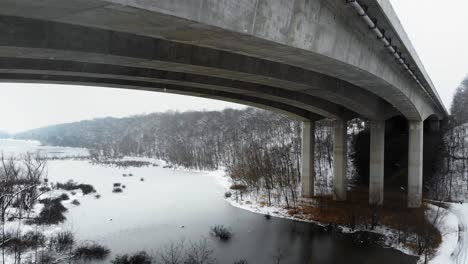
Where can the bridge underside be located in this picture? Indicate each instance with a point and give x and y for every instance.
(316, 47)
(98, 43)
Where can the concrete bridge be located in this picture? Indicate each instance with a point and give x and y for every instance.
(309, 59)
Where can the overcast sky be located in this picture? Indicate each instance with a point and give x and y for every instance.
(439, 33)
(438, 30)
(26, 106)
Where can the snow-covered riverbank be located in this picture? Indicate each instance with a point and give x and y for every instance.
(249, 202)
(256, 204)
(453, 226)
(454, 229)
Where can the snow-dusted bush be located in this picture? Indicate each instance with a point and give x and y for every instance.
(62, 241)
(138, 258)
(221, 232)
(71, 186)
(52, 212)
(91, 251)
(117, 190)
(64, 197)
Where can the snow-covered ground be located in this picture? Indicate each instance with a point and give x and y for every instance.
(448, 227)
(249, 201)
(454, 230)
(459, 237)
(453, 226)
(253, 203)
(47, 230)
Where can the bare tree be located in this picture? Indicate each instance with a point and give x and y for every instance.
(279, 256)
(426, 232)
(173, 253)
(199, 253)
(176, 253)
(19, 182)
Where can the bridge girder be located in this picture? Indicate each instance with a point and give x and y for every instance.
(288, 110)
(318, 36)
(50, 41)
(96, 70)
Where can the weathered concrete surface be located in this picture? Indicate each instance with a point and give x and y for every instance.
(434, 125)
(288, 110)
(308, 159)
(340, 160)
(320, 36)
(69, 68)
(415, 163)
(377, 161)
(25, 38)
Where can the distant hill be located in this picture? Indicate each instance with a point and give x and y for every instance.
(200, 139)
(77, 134)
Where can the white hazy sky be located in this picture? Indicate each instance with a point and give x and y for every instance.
(26, 106)
(439, 32)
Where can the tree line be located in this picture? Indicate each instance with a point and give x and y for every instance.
(260, 149)
(451, 170)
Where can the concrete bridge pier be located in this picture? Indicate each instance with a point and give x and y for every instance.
(268, 61)
(377, 161)
(308, 159)
(415, 163)
(340, 160)
(434, 125)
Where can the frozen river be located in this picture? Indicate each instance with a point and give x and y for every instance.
(150, 214)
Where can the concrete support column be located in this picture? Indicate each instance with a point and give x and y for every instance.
(415, 163)
(376, 174)
(340, 161)
(308, 159)
(434, 125)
